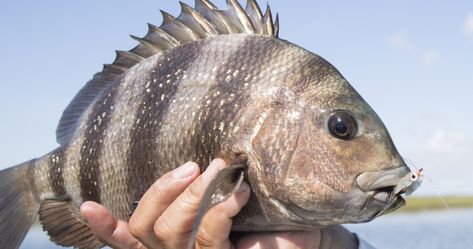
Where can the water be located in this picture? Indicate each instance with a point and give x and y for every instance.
(433, 229)
(426, 230)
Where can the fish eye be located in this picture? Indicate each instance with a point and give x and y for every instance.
(342, 125)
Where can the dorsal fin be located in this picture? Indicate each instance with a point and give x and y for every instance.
(203, 21)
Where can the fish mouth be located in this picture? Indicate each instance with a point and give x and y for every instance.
(380, 186)
(390, 200)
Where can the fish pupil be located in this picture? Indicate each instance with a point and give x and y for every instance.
(342, 125)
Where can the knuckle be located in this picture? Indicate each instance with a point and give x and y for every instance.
(160, 190)
(204, 238)
(192, 196)
(136, 245)
(163, 231)
(137, 230)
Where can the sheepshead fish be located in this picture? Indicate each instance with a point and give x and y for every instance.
(211, 83)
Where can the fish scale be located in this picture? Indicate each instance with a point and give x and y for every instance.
(144, 160)
(211, 83)
(113, 160)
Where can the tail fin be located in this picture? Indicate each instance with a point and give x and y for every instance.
(18, 204)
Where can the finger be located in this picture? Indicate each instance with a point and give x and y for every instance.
(217, 223)
(174, 230)
(157, 199)
(285, 240)
(106, 228)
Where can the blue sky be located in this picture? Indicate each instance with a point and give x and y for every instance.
(411, 60)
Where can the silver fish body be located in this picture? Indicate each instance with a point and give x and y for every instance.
(210, 84)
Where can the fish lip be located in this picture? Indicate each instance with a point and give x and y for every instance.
(381, 180)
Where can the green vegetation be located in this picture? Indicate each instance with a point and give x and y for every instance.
(416, 204)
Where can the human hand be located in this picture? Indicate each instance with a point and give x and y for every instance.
(166, 213)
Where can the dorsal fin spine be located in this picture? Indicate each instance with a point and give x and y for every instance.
(268, 21)
(276, 25)
(176, 28)
(146, 44)
(256, 16)
(205, 3)
(241, 15)
(231, 23)
(112, 68)
(201, 25)
(160, 38)
(210, 12)
(126, 58)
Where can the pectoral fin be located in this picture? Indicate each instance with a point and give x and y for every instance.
(225, 183)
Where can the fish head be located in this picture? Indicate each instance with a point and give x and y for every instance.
(327, 157)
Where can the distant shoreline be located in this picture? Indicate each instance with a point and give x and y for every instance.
(417, 204)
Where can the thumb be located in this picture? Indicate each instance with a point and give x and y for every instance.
(108, 229)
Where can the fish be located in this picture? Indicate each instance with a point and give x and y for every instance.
(207, 84)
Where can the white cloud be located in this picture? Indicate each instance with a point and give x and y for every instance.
(400, 41)
(448, 142)
(431, 57)
(446, 156)
(469, 24)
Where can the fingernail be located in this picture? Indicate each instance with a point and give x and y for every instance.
(242, 188)
(184, 171)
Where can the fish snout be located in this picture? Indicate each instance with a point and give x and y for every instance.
(381, 179)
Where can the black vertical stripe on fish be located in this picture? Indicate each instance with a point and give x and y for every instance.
(56, 172)
(92, 146)
(159, 91)
(227, 98)
(221, 105)
(113, 164)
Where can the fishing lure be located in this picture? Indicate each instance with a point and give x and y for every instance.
(409, 183)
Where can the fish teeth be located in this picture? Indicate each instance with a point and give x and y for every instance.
(381, 196)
